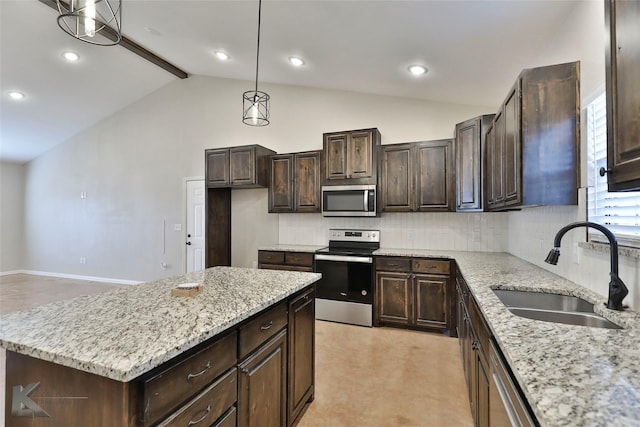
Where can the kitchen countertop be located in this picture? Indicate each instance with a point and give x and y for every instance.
(571, 375)
(291, 248)
(126, 332)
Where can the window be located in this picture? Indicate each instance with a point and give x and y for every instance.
(619, 211)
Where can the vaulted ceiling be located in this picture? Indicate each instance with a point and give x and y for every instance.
(472, 49)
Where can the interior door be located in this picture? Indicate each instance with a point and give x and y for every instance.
(194, 243)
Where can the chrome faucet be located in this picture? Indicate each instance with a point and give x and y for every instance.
(617, 289)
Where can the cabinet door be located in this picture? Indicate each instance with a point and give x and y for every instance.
(395, 295)
(307, 181)
(217, 167)
(242, 169)
(482, 402)
(623, 87)
(359, 155)
(435, 188)
(281, 184)
(431, 301)
(497, 162)
(512, 169)
(397, 178)
(335, 152)
(468, 184)
(262, 385)
(301, 353)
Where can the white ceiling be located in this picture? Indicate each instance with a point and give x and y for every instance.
(473, 50)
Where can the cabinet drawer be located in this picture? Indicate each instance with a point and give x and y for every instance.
(229, 419)
(393, 264)
(430, 266)
(262, 328)
(209, 405)
(166, 390)
(271, 257)
(299, 258)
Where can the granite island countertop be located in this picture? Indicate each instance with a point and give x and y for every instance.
(291, 248)
(126, 332)
(570, 375)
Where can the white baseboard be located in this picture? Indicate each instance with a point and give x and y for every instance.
(72, 276)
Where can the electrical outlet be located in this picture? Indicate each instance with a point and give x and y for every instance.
(177, 227)
(164, 265)
(83, 194)
(83, 260)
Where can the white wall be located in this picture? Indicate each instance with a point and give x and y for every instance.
(132, 167)
(12, 177)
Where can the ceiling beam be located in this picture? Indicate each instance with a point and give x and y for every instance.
(130, 45)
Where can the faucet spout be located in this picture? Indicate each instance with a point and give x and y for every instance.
(617, 289)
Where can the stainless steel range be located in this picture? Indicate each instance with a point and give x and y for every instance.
(345, 292)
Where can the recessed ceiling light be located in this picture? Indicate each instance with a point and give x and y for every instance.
(295, 61)
(221, 55)
(417, 70)
(14, 94)
(71, 56)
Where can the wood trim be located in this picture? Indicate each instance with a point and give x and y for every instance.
(131, 46)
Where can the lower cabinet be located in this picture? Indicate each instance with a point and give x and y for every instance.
(262, 385)
(493, 396)
(285, 260)
(414, 292)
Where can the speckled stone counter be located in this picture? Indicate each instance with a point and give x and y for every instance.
(291, 248)
(571, 375)
(124, 333)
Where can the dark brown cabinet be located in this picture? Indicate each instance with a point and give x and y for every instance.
(532, 151)
(294, 182)
(237, 167)
(470, 145)
(623, 103)
(414, 292)
(285, 260)
(302, 317)
(418, 176)
(262, 385)
(351, 157)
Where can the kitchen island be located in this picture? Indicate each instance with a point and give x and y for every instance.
(569, 375)
(139, 356)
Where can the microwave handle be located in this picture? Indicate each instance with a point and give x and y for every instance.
(366, 200)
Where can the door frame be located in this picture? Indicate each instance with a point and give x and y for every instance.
(185, 209)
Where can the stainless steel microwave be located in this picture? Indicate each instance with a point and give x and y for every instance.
(349, 200)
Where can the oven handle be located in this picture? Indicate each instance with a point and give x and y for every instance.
(345, 258)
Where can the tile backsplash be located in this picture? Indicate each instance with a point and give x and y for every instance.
(485, 232)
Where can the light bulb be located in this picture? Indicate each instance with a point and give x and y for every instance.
(254, 113)
(90, 16)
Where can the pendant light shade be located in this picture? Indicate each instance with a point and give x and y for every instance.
(97, 22)
(255, 104)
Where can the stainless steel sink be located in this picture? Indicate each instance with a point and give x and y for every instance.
(553, 308)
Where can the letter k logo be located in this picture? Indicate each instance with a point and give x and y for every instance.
(22, 405)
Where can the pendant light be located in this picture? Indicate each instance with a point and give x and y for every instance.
(93, 21)
(255, 104)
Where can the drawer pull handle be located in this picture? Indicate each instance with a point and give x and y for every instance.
(393, 264)
(207, 367)
(266, 326)
(192, 423)
(344, 294)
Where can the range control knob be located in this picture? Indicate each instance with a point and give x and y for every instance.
(364, 293)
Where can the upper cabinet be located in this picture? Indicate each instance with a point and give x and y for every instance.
(622, 19)
(294, 183)
(532, 144)
(418, 176)
(470, 144)
(351, 157)
(237, 167)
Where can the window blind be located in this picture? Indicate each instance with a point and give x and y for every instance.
(619, 211)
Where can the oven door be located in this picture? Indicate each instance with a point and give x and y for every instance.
(345, 278)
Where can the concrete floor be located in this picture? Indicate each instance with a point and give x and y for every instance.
(365, 377)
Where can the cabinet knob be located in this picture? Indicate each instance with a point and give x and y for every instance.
(604, 171)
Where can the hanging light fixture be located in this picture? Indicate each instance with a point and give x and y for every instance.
(255, 104)
(93, 21)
